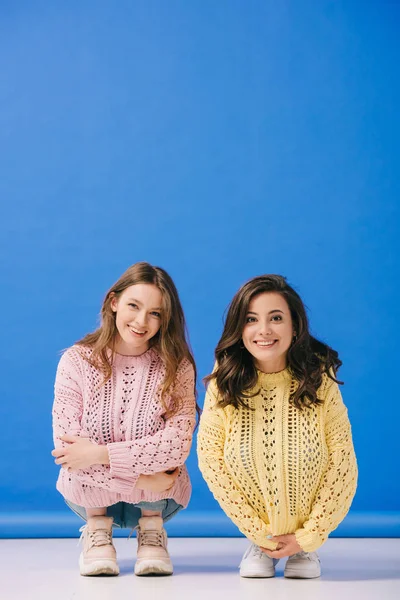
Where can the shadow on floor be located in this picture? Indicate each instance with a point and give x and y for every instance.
(183, 566)
(352, 572)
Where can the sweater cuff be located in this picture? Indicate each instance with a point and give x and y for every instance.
(123, 486)
(309, 542)
(123, 475)
(260, 537)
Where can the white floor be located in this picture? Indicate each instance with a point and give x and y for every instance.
(205, 568)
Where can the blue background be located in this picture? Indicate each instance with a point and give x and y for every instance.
(219, 140)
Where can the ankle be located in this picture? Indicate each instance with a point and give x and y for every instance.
(151, 513)
(96, 512)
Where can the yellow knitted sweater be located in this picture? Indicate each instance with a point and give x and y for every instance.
(277, 469)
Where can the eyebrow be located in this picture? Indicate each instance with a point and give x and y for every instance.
(276, 310)
(141, 303)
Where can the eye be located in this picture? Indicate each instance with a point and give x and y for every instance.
(156, 314)
(133, 305)
(250, 320)
(276, 318)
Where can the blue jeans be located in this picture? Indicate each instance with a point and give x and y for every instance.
(128, 515)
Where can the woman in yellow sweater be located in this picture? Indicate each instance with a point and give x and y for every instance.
(274, 442)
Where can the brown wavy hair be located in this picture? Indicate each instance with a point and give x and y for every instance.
(307, 358)
(171, 340)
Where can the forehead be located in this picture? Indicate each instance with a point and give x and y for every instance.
(146, 293)
(268, 301)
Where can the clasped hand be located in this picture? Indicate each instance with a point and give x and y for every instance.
(287, 546)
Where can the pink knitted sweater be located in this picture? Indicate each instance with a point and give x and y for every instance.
(126, 415)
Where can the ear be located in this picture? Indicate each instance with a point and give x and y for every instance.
(114, 302)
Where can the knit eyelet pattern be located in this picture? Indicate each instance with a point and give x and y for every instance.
(126, 415)
(277, 469)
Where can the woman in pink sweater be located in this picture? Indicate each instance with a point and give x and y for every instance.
(123, 418)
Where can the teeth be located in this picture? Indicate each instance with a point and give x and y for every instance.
(136, 331)
(265, 343)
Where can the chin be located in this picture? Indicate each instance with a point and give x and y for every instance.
(135, 343)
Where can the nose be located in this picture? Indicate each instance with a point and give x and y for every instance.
(141, 318)
(265, 328)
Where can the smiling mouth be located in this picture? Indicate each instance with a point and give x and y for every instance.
(266, 344)
(136, 332)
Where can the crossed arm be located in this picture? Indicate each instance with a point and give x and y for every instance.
(119, 466)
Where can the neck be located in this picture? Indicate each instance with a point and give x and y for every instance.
(125, 349)
(271, 367)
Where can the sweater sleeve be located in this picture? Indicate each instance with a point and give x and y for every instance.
(67, 415)
(210, 449)
(339, 481)
(167, 448)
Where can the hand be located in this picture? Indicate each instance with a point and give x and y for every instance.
(158, 482)
(287, 546)
(79, 453)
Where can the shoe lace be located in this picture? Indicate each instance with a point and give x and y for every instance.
(97, 537)
(302, 554)
(151, 537)
(257, 551)
(254, 551)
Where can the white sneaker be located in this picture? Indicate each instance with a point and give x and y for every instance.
(255, 563)
(303, 565)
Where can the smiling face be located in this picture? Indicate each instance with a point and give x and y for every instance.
(268, 331)
(138, 317)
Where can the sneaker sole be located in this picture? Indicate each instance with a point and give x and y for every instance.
(256, 573)
(153, 567)
(298, 574)
(98, 567)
